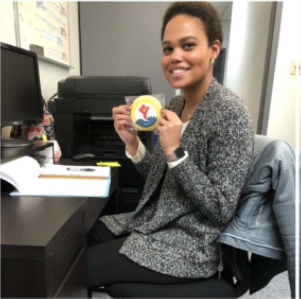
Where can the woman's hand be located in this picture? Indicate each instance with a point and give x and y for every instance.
(169, 130)
(121, 115)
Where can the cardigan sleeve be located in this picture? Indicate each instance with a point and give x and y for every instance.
(216, 191)
(139, 155)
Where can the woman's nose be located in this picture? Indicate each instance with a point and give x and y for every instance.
(176, 56)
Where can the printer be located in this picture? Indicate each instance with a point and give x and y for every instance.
(84, 125)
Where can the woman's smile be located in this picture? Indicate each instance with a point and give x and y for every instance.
(178, 72)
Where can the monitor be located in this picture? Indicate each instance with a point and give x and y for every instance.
(21, 97)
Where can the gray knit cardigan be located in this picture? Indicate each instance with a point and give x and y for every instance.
(175, 233)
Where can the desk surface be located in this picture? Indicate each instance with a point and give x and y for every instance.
(24, 218)
(43, 243)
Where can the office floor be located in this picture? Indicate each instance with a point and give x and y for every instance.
(278, 288)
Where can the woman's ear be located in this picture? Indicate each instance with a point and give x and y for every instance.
(215, 49)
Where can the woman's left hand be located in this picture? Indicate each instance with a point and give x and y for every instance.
(169, 131)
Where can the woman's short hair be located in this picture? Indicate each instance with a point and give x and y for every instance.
(206, 13)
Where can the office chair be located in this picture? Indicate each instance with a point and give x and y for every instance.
(233, 283)
(235, 278)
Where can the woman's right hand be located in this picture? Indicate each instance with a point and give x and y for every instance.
(121, 115)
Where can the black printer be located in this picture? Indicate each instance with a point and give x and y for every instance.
(84, 124)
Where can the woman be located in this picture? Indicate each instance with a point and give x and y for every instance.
(195, 175)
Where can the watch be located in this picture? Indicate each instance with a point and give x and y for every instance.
(177, 154)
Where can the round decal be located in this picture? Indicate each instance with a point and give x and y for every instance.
(145, 113)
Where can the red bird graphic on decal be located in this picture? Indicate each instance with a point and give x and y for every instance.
(144, 109)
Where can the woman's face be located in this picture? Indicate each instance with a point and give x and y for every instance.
(186, 52)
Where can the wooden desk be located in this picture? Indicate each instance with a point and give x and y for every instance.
(43, 243)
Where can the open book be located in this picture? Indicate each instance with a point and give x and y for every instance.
(26, 175)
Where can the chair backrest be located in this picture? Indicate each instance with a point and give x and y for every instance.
(238, 259)
(269, 192)
(261, 142)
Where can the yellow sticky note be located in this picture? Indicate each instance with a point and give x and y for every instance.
(111, 164)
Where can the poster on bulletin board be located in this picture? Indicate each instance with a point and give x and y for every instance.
(43, 28)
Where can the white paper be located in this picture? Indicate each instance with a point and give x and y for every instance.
(68, 187)
(20, 172)
(26, 175)
(77, 171)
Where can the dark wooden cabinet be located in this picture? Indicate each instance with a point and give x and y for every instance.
(43, 243)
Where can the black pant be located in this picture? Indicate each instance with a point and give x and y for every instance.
(106, 266)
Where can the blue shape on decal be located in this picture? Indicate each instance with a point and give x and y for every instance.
(145, 123)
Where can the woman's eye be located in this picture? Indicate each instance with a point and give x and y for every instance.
(188, 45)
(167, 50)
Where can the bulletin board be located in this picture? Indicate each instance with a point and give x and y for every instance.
(43, 28)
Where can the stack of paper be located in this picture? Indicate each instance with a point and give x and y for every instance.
(29, 179)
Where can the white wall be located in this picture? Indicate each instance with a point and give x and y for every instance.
(7, 23)
(250, 22)
(226, 33)
(50, 73)
(282, 119)
(7, 36)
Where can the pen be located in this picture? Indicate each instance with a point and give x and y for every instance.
(80, 169)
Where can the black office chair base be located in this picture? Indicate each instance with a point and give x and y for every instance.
(211, 288)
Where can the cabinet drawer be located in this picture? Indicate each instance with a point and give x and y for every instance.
(73, 283)
(92, 212)
(62, 256)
